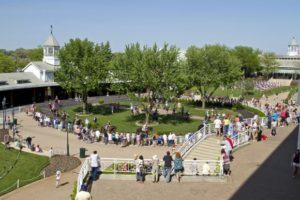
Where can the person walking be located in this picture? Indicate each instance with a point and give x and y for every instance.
(155, 168)
(140, 169)
(57, 177)
(95, 164)
(296, 162)
(178, 166)
(167, 166)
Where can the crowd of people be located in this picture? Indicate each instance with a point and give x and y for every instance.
(263, 85)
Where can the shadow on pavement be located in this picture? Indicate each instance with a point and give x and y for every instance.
(273, 178)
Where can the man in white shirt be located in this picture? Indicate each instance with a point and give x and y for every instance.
(205, 169)
(95, 164)
(83, 195)
(218, 123)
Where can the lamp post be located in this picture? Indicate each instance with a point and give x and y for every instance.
(298, 120)
(3, 110)
(68, 128)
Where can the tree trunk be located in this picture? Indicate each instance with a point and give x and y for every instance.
(203, 102)
(84, 103)
(147, 114)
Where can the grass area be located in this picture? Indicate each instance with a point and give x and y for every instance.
(27, 168)
(126, 122)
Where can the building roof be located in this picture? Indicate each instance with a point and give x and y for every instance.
(285, 63)
(51, 41)
(45, 66)
(42, 66)
(21, 80)
(293, 42)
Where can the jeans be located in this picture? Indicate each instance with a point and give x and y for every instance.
(94, 173)
(167, 174)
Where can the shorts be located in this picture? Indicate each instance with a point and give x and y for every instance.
(178, 170)
(296, 164)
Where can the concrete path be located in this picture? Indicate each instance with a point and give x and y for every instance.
(260, 171)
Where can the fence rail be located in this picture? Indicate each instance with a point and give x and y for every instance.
(20, 183)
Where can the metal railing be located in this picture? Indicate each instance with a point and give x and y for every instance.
(195, 138)
(208, 129)
(84, 170)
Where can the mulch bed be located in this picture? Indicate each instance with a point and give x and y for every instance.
(63, 163)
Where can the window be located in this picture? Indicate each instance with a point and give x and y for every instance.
(22, 81)
(3, 83)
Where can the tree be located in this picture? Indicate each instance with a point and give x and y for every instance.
(6, 64)
(36, 54)
(84, 67)
(268, 63)
(148, 69)
(210, 67)
(249, 59)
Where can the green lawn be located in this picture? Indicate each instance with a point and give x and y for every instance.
(126, 122)
(28, 166)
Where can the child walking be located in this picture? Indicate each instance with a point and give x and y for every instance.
(57, 178)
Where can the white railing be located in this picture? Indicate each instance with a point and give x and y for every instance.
(201, 134)
(240, 140)
(196, 137)
(127, 166)
(85, 168)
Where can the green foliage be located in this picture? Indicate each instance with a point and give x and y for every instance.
(6, 64)
(10, 61)
(249, 59)
(74, 191)
(268, 63)
(84, 67)
(36, 54)
(101, 101)
(153, 70)
(293, 90)
(249, 87)
(210, 67)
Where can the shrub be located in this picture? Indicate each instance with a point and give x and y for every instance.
(101, 101)
(74, 192)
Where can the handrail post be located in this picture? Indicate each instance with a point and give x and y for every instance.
(114, 167)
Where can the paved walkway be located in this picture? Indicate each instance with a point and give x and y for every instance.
(260, 171)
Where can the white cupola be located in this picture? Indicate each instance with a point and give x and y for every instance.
(293, 48)
(51, 49)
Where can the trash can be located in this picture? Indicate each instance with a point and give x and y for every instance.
(15, 121)
(82, 152)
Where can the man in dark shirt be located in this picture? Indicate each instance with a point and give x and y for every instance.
(28, 141)
(167, 166)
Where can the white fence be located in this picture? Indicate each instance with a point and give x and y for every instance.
(119, 166)
(85, 168)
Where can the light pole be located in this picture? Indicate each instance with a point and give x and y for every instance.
(298, 120)
(68, 128)
(3, 110)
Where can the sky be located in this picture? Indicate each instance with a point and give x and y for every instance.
(268, 25)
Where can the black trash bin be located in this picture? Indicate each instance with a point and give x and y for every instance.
(82, 152)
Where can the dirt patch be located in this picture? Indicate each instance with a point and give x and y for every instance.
(63, 163)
